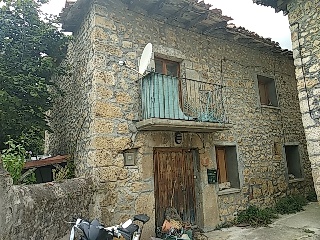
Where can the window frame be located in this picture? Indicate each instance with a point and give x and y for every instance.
(301, 165)
(232, 188)
(164, 66)
(267, 91)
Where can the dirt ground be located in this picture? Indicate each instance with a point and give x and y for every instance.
(302, 225)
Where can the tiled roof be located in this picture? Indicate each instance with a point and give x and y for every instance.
(181, 13)
(247, 34)
(47, 161)
(188, 14)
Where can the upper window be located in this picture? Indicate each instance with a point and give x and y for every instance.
(293, 161)
(167, 67)
(227, 165)
(267, 91)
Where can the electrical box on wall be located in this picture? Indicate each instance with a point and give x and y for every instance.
(212, 176)
(130, 157)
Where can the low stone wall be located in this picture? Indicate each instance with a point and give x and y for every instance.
(40, 211)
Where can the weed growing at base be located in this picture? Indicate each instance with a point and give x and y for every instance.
(256, 217)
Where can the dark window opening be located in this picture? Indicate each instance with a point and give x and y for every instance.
(227, 165)
(293, 161)
(267, 91)
(167, 67)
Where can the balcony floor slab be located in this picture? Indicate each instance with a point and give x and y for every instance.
(156, 124)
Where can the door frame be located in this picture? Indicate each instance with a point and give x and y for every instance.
(198, 215)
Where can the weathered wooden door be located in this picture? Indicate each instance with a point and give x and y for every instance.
(174, 183)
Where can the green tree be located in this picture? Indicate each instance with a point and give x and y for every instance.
(31, 50)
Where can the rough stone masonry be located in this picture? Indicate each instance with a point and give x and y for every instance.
(95, 119)
(304, 18)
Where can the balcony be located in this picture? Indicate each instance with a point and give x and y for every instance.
(178, 104)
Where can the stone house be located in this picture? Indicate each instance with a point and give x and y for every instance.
(304, 19)
(212, 127)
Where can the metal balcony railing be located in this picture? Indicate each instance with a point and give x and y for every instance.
(168, 97)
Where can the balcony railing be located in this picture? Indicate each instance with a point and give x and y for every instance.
(168, 97)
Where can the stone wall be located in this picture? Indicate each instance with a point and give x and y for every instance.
(118, 34)
(71, 116)
(304, 18)
(41, 211)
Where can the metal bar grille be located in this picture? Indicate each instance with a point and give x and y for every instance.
(169, 97)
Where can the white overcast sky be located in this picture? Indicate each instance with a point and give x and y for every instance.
(259, 19)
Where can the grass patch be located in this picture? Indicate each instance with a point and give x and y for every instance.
(291, 204)
(256, 217)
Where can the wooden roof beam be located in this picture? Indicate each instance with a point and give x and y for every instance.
(180, 12)
(196, 20)
(130, 3)
(156, 7)
(221, 26)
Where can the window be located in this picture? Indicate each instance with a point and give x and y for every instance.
(227, 165)
(293, 161)
(167, 67)
(267, 91)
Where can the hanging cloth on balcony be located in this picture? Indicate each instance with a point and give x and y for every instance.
(206, 113)
(160, 97)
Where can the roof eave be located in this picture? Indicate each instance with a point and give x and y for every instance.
(208, 21)
(73, 13)
(278, 5)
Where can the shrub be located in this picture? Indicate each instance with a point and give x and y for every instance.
(13, 159)
(256, 217)
(290, 204)
(61, 173)
(312, 196)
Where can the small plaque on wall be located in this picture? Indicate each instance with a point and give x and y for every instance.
(130, 157)
(212, 176)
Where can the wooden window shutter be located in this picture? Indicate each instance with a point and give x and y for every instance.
(221, 163)
(263, 90)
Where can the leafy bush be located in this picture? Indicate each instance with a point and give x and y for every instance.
(13, 159)
(312, 197)
(31, 49)
(61, 173)
(71, 169)
(256, 217)
(290, 204)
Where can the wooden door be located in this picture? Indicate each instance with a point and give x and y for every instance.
(174, 183)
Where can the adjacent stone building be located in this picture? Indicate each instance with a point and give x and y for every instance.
(212, 127)
(304, 19)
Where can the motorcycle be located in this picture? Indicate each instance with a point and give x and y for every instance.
(94, 230)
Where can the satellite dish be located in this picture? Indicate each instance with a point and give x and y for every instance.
(145, 58)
